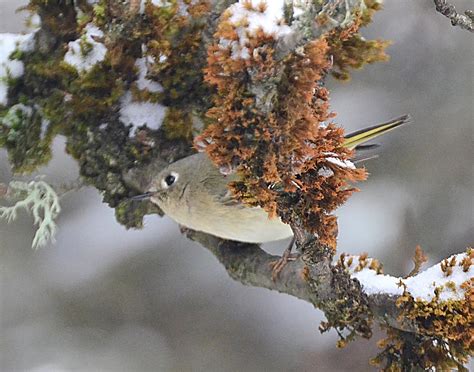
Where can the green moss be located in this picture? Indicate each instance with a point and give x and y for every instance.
(99, 11)
(130, 213)
(350, 50)
(21, 133)
(178, 124)
(354, 53)
(348, 311)
(174, 43)
(78, 104)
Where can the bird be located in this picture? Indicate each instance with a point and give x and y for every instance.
(194, 193)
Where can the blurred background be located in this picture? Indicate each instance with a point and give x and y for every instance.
(106, 299)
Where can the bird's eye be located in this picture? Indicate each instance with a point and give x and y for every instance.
(169, 180)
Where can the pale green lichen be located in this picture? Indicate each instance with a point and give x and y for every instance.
(42, 201)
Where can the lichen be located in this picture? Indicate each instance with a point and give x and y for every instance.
(41, 200)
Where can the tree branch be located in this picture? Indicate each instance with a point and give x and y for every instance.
(465, 21)
(252, 266)
(167, 70)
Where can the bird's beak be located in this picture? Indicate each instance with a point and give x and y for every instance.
(144, 196)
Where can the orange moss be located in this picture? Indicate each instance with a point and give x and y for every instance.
(451, 320)
(305, 274)
(447, 266)
(279, 153)
(346, 261)
(418, 260)
(467, 261)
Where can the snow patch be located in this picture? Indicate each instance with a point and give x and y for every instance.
(159, 3)
(271, 21)
(16, 115)
(12, 68)
(423, 285)
(325, 172)
(140, 113)
(85, 52)
(341, 163)
(142, 81)
(374, 283)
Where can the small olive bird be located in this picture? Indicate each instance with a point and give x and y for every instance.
(195, 194)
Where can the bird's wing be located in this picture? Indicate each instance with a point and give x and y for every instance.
(217, 185)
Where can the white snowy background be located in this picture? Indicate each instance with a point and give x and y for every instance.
(106, 299)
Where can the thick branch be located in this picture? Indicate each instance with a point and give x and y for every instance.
(465, 21)
(251, 265)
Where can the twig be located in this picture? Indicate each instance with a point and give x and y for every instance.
(464, 21)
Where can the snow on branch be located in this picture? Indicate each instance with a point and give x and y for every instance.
(444, 281)
(132, 84)
(434, 308)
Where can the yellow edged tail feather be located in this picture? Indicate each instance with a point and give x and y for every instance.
(359, 137)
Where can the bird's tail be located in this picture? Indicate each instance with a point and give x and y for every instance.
(356, 140)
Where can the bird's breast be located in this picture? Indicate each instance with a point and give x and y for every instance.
(232, 222)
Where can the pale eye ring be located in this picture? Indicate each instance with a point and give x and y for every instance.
(169, 180)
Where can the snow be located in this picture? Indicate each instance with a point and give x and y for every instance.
(15, 114)
(421, 286)
(161, 3)
(12, 68)
(248, 21)
(34, 22)
(142, 81)
(84, 62)
(374, 283)
(44, 127)
(325, 172)
(141, 113)
(341, 163)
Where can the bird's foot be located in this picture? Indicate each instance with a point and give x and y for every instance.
(184, 230)
(279, 265)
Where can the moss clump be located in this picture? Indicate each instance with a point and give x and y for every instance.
(349, 310)
(178, 124)
(174, 43)
(278, 153)
(27, 137)
(130, 213)
(352, 51)
(169, 36)
(444, 340)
